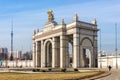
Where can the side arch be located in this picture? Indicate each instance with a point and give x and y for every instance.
(48, 52)
(86, 52)
(48, 41)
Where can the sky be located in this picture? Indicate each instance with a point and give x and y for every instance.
(28, 15)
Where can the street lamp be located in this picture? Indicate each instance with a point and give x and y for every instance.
(100, 51)
(116, 44)
(100, 59)
(107, 59)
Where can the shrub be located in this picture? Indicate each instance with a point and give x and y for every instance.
(34, 70)
(63, 70)
(43, 70)
(21, 66)
(49, 69)
(75, 69)
(38, 70)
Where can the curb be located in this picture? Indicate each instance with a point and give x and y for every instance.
(100, 76)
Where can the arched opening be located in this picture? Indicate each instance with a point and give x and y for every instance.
(86, 53)
(70, 54)
(48, 54)
(86, 57)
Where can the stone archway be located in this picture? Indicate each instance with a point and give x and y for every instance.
(54, 39)
(48, 54)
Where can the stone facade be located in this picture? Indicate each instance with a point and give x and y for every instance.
(50, 46)
(17, 63)
(105, 61)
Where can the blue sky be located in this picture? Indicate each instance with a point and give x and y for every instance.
(28, 15)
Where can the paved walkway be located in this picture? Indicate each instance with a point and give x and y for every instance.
(115, 75)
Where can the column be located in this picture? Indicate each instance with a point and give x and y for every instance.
(42, 55)
(54, 53)
(34, 54)
(39, 51)
(62, 51)
(58, 52)
(76, 50)
(95, 50)
(67, 53)
(37, 54)
(82, 52)
(92, 58)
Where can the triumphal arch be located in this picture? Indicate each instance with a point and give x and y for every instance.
(51, 45)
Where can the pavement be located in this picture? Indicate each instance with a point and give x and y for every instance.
(115, 75)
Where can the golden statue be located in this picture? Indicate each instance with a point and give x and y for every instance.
(50, 15)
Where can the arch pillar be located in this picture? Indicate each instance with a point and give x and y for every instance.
(54, 52)
(34, 54)
(76, 50)
(81, 57)
(91, 58)
(38, 54)
(62, 51)
(42, 54)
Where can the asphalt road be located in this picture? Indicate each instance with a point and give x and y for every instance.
(115, 75)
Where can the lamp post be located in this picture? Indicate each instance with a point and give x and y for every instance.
(116, 44)
(107, 58)
(108, 64)
(100, 51)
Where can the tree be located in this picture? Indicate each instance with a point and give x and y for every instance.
(11, 57)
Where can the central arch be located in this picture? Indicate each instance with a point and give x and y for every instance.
(48, 54)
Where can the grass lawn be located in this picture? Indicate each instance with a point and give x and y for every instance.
(44, 76)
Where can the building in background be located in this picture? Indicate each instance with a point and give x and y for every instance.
(27, 55)
(17, 55)
(20, 59)
(105, 61)
(106, 58)
(3, 53)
